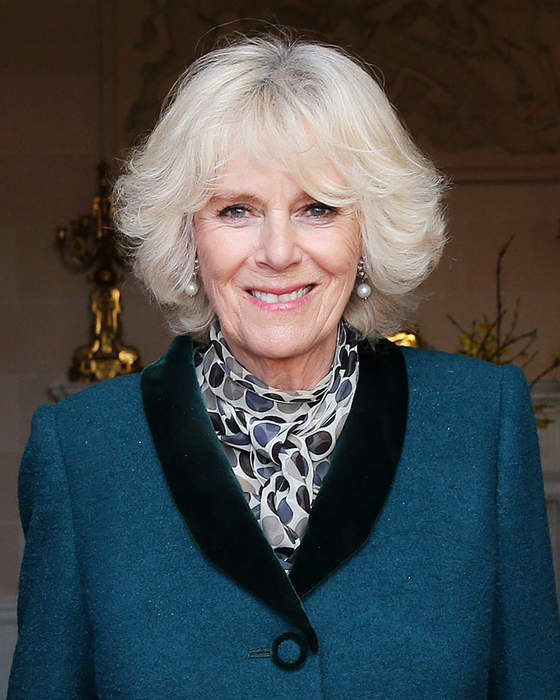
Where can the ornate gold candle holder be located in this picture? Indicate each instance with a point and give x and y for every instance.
(91, 245)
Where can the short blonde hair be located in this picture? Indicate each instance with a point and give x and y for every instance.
(267, 96)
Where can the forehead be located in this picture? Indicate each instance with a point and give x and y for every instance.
(246, 179)
(256, 169)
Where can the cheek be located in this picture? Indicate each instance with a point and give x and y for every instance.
(222, 252)
(211, 270)
(344, 259)
(210, 251)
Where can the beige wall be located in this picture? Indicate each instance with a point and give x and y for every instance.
(49, 146)
(48, 142)
(481, 219)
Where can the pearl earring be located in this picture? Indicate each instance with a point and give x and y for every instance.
(363, 289)
(193, 285)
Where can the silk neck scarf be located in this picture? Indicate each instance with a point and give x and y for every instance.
(277, 442)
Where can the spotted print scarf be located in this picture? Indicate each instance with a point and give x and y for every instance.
(277, 442)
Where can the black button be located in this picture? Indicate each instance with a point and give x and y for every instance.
(289, 664)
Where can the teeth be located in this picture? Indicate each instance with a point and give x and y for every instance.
(276, 298)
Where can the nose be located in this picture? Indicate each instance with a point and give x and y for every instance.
(278, 245)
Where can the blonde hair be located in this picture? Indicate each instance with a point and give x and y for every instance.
(267, 96)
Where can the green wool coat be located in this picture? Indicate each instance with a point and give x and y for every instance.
(425, 571)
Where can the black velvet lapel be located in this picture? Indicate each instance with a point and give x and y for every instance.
(205, 488)
(363, 466)
(210, 499)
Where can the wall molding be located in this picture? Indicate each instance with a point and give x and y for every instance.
(547, 392)
(8, 610)
(547, 389)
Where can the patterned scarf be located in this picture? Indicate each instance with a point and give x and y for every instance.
(278, 442)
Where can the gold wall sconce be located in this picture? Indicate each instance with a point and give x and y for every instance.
(406, 339)
(90, 245)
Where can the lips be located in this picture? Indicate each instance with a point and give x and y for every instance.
(269, 297)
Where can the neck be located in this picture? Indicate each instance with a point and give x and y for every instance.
(292, 373)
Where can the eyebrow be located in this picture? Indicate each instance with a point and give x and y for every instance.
(234, 195)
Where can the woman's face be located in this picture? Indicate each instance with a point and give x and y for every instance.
(278, 268)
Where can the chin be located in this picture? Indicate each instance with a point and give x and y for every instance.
(270, 348)
(282, 343)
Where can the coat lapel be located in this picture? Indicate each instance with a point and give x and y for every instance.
(205, 488)
(363, 466)
(211, 501)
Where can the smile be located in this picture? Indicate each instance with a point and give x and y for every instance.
(281, 300)
(270, 298)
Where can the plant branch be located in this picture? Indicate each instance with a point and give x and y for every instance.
(457, 326)
(499, 314)
(553, 365)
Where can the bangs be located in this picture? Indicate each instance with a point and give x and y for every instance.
(276, 135)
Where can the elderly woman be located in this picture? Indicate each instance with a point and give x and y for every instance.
(279, 508)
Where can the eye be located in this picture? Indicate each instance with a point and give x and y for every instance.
(234, 211)
(318, 210)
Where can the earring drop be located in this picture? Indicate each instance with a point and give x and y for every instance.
(363, 289)
(193, 285)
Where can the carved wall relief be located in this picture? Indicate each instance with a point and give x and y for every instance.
(476, 81)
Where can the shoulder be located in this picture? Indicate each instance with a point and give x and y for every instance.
(106, 397)
(104, 409)
(109, 390)
(436, 362)
(94, 439)
(465, 391)
(454, 371)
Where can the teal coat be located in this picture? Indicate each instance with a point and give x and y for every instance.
(425, 571)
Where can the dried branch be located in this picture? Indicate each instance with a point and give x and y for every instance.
(457, 326)
(529, 359)
(532, 335)
(487, 340)
(499, 314)
(514, 320)
(523, 352)
(553, 365)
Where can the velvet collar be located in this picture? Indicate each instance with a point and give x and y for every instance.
(207, 493)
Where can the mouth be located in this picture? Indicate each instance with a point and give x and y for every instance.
(280, 297)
